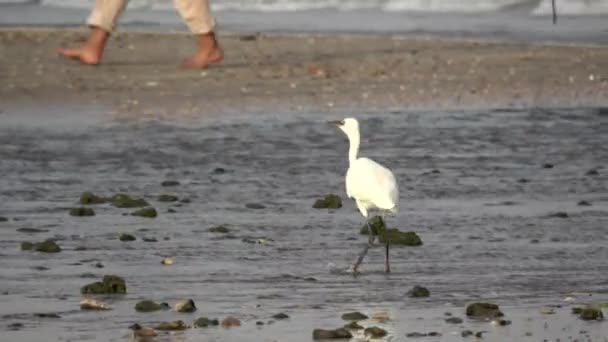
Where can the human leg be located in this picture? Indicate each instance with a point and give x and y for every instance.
(197, 17)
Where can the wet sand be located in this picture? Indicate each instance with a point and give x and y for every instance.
(299, 73)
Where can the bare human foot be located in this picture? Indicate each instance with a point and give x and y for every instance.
(208, 52)
(90, 53)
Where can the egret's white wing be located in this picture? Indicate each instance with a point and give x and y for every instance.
(370, 182)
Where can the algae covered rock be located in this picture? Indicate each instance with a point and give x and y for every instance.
(126, 237)
(88, 198)
(125, 201)
(147, 306)
(418, 292)
(47, 246)
(323, 334)
(27, 246)
(454, 320)
(396, 237)
(170, 183)
(82, 211)
(219, 229)
(591, 313)
(110, 284)
(167, 198)
(330, 201)
(354, 316)
(204, 322)
(172, 326)
(186, 305)
(483, 310)
(145, 212)
(280, 315)
(353, 326)
(375, 332)
(376, 224)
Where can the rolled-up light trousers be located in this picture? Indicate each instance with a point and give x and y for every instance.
(195, 13)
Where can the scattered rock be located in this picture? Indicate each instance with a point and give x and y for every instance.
(330, 201)
(523, 180)
(419, 292)
(3, 219)
(454, 320)
(167, 198)
(259, 323)
(47, 315)
(98, 265)
(280, 315)
(466, 333)
(31, 230)
(218, 171)
(354, 316)
(219, 229)
(396, 237)
(501, 322)
(592, 172)
(591, 313)
(149, 239)
(322, 334)
(186, 306)
(88, 198)
(147, 306)
(171, 210)
(82, 211)
(126, 201)
(483, 310)
(375, 332)
(145, 212)
(547, 166)
(140, 333)
(380, 316)
(204, 322)
(167, 261)
(415, 335)
(169, 183)
(15, 326)
(173, 325)
(559, 214)
(353, 326)
(27, 246)
(479, 334)
(47, 246)
(230, 322)
(40, 268)
(92, 304)
(255, 206)
(110, 284)
(584, 203)
(126, 237)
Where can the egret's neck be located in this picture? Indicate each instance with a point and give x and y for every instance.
(353, 150)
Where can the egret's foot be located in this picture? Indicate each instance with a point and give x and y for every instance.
(84, 55)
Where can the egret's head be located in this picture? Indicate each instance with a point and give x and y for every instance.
(350, 126)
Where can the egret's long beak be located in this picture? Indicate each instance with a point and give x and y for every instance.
(336, 122)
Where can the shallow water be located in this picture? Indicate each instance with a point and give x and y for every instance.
(483, 217)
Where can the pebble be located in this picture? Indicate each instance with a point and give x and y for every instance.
(92, 304)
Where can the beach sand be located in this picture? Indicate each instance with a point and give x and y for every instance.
(139, 75)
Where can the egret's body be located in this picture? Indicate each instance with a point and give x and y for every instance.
(371, 185)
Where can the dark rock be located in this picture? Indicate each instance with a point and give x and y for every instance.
(591, 313)
(3, 219)
(419, 292)
(219, 229)
(577, 310)
(415, 335)
(172, 326)
(47, 315)
(27, 246)
(479, 334)
(330, 201)
(559, 214)
(147, 306)
(110, 284)
(322, 334)
(433, 333)
(254, 206)
(126, 237)
(98, 265)
(353, 326)
(149, 239)
(145, 212)
(219, 171)
(396, 237)
(259, 323)
(47, 246)
(523, 180)
(503, 322)
(31, 230)
(15, 326)
(80, 248)
(82, 211)
(454, 320)
(204, 322)
(40, 268)
(167, 198)
(171, 210)
(354, 316)
(592, 172)
(280, 315)
(584, 203)
(547, 166)
(375, 332)
(88, 198)
(483, 310)
(376, 224)
(185, 306)
(169, 183)
(466, 333)
(126, 201)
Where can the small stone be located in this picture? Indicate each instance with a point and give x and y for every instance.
(396, 237)
(502, 322)
(186, 306)
(167, 261)
(147, 306)
(88, 198)
(126, 237)
(48, 246)
(433, 333)
(171, 210)
(523, 180)
(126, 201)
(258, 323)
(185, 200)
(219, 171)
(169, 183)
(419, 292)
(559, 214)
(255, 206)
(354, 316)
(280, 315)
(219, 229)
(466, 333)
(375, 332)
(483, 310)
(204, 322)
(167, 198)
(31, 230)
(171, 326)
(454, 320)
(110, 284)
(145, 212)
(479, 334)
(15, 326)
(353, 326)
(322, 334)
(415, 335)
(547, 166)
(584, 203)
(82, 211)
(3, 219)
(47, 315)
(149, 239)
(27, 246)
(92, 304)
(230, 322)
(330, 201)
(592, 172)
(591, 313)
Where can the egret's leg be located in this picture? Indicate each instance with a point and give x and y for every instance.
(370, 241)
(387, 266)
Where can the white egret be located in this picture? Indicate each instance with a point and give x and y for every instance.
(371, 185)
